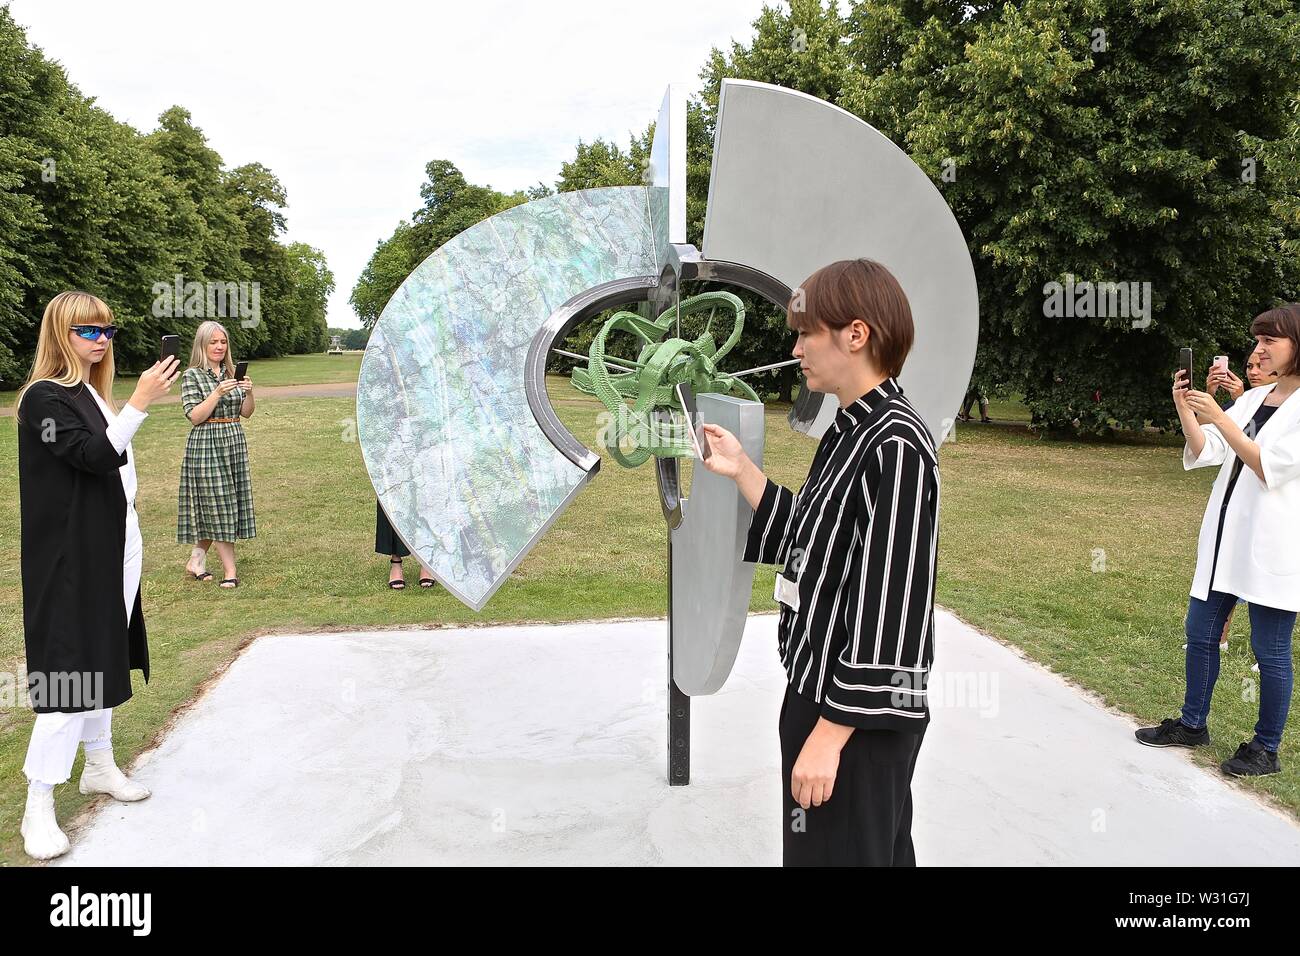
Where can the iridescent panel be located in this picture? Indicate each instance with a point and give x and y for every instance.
(460, 466)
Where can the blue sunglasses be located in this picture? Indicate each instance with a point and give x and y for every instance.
(92, 332)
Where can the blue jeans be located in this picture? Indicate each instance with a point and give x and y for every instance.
(1270, 639)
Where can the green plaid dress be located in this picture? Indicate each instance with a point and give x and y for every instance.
(216, 496)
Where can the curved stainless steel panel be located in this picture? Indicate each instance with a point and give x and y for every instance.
(831, 187)
(711, 585)
(582, 306)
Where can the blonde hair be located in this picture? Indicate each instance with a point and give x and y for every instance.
(202, 336)
(56, 360)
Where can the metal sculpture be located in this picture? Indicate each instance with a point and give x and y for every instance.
(467, 456)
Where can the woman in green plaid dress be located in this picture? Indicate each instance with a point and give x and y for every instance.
(215, 504)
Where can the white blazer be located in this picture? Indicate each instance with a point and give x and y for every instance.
(1259, 556)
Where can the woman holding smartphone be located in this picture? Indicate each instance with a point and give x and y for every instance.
(1247, 546)
(215, 503)
(1221, 377)
(81, 556)
(858, 545)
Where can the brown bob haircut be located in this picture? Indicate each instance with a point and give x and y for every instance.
(836, 294)
(1282, 323)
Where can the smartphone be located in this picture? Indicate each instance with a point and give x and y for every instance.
(171, 345)
(1185, 363)
(1220, 362)
(241, 370)
(699, 440)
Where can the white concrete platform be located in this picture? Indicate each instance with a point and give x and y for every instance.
(545, 745)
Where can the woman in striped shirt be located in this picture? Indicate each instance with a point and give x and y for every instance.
(858, 547)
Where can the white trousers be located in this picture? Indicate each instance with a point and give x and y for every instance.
(53, 747)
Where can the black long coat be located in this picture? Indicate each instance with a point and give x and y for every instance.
(73, 512)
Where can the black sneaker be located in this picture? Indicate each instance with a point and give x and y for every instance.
(1172, 732)
(1251, 760)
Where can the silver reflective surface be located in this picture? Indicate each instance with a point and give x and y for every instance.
(668, 172)
(798, 183)
(711, 585)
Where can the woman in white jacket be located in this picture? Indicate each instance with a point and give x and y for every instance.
(1249, 546)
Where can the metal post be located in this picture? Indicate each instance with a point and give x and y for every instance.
(679, 704)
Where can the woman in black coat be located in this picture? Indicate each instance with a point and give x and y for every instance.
(81, 556)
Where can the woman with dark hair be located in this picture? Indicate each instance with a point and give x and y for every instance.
(974, 396)
(1247, 546)
(1222, 378)
(858, 544)
(81, 556)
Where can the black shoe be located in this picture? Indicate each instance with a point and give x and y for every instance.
(1251, 760)
(1172, 732)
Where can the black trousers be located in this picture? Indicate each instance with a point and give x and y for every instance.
(868, 819)
(386, 539)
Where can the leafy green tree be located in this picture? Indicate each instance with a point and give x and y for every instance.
(355, 338)
(1281, 161)
(599, 164)
(1096, 139)
(87, 202)
(451, 205)
(392, 261)
(311, 284)
(802, 49)
(1076, 140)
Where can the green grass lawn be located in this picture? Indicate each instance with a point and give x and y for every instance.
(1021, 520)
(315, 369)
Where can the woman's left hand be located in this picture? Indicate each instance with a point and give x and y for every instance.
(1204, 405)
(246, 384)
(813, 776)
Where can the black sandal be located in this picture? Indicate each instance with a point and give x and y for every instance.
(203, 576)
(234, 582)
(400, 583)
(427, 582)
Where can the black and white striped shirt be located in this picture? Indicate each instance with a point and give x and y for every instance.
(861, 540)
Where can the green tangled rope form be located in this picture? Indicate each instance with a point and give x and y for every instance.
(661, 365)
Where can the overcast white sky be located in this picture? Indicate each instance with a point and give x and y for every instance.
(347, 101)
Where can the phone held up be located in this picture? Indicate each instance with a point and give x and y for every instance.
(171, 345)
(241, 371)
(1185, 363)
(700, 441)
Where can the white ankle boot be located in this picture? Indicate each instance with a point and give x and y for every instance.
(42, 838)
(100, 775)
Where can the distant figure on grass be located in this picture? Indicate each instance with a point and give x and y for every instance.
(215, 503)
(973, 396)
